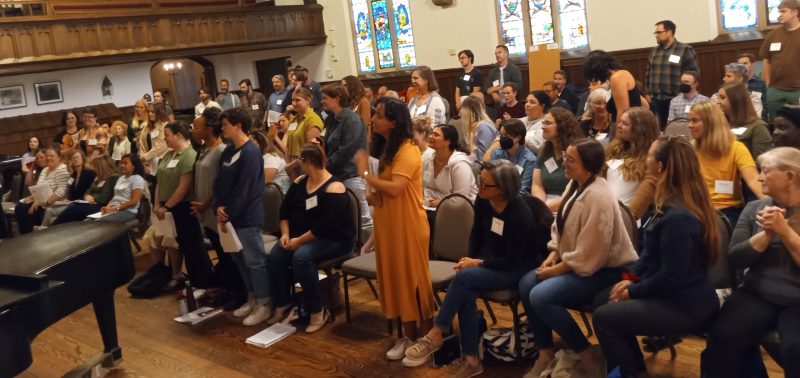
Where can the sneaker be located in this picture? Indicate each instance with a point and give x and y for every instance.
(314, 327)
(245, 309)
(260, 313)
(422, 349)
(538, 368)
(398, 351)
(465, 370)
(279, 314)
(293, 315)
(414, 362)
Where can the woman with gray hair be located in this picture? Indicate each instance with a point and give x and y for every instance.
(501, 249)
(596, 122)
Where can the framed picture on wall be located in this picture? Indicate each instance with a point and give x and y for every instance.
(12, 97)
(48, 93)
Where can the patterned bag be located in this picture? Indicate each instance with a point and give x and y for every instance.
(499, 342)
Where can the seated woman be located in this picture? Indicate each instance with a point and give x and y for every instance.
(274, 160)
(559, 129)
(98, 195)
(747, 125)
(128, 191)
(668, 291)
(512, 148)
(479, 131)
(81, 178)
(448, 169)
(590, 249)
(315, 226)
(537, 104)
(787, 127)
(38, 165)
(501, 250)
(626, 156)
(766, 242)
(724, 161)
(29, 157)
(596, 121)
(29, 211)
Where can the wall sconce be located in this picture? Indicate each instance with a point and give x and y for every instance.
(173, 68)
(107, 88)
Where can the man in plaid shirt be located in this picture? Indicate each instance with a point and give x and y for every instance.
(667, 61)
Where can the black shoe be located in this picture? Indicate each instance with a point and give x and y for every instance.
(653, 344)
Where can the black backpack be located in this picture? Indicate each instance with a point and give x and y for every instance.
(149, 283)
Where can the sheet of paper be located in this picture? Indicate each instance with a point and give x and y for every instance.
(273, 116)
(228, 238)
(164, 227)
(271, 335)
(41, 192)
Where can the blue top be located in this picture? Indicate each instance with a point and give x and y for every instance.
(525, 161)
(345, 135)
(484, 137)
(240, 184)
(277, 100)
(673, 262)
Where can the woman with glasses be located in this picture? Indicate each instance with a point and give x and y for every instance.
(668, 291)
(559, 129)
(505, 240)
(590, 248)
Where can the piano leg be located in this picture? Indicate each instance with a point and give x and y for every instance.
(107, 322)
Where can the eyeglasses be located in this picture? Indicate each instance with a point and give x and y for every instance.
(657, 32)
(483, 185)
(568, 159)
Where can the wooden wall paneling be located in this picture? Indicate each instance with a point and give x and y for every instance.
(8, 50)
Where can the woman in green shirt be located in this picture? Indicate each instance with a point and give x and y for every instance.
(559, 129)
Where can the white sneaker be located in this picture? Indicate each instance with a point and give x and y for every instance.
(260, 313)
(414, 362)
(245, 309)
(398, 351)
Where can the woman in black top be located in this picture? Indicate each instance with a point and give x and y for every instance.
(80, 179)
(601, 66)
(504, 244)
(315, 226)
(668, 291)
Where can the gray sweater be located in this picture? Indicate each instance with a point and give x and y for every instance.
(773, 274)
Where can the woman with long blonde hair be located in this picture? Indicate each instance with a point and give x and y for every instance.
(479, 130)
(150, 140)
(724, 161)
(139, 120)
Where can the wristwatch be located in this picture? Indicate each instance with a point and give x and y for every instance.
(366, 173)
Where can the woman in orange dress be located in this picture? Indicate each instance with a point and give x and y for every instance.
(401, 227)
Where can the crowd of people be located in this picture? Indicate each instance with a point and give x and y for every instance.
(546, 172)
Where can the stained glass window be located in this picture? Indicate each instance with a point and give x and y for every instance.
(772, 11)
(542, 29)
(535, 22)
(739, 14)
(383, 33)
(572, 21)
(512, 26)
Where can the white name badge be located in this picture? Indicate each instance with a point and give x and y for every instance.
(323, 115)
(739, 130)
(173, 163)
(279, 102)
(466, 77)
(723, 186)
(154, 134)
(497, 226)
(322, 134)
(234, 158)
(421, 110)
(674, 59)
(496, 83)
(311, 203)
(519, 169)
(70, 181)
(551, 165)
(756, 94)
(254, 106)
(293, 126)
(687, 109)
(775, 46)
(601, 136)
(91, 142)
(613, 164)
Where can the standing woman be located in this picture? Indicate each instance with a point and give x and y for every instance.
(67, 138)
(87, 136)
(175, 181)
(724, 161)
(480, 131)
(637, 129)
(427, 100)
(29, 157)
(30, 212)
(668, 291)
(359, 103)
(306, 126)
(139, 120)
(601, 66)
(746, 124)
(119, 144)
(401, 227)
(559, 129)
(150, 140)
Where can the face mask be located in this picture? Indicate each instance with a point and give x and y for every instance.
(506, 142)
(685, 88)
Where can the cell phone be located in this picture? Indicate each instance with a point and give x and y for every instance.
(449, 352)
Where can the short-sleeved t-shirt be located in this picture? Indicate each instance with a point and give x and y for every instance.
(296, 133)
(468, 81)
(171, 168)
(782, 48)
(123, 190)
(276, 162)
(724, 172)
(556, 181)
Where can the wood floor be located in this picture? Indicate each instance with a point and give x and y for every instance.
(154, 345)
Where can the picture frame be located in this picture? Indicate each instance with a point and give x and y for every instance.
(12, 97)
(48, 92)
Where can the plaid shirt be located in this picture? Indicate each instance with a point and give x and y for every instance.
(678, 104)
(664, 77)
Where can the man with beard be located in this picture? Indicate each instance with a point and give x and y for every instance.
(667, 61)
(226, 99)
(205, 102)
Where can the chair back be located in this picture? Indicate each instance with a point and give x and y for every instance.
(678, 127)
(453, 225)
(721, 274)
(355, 212)
(271, 201)
(630, 224)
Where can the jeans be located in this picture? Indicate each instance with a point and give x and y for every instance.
(286, 267)
(190, 243)
(661, 109)
(461, 297)
(226, 274)
(732, 213)
(120, 217)
(26, 221)
(744, 319)
(252, 262)
(546, 304)
(776, 98)
(76, 212)
(359, 187)
(617, 325)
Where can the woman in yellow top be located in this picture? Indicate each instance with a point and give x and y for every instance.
(400, 225)
(306, 126)
(724, 161)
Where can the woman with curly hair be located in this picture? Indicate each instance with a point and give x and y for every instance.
(559, 129)
(601, 66)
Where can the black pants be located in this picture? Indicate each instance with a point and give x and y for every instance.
(661, 108)
(190, 243)
(743, 321)
(226, 274)
(26, 221)
(617, 325)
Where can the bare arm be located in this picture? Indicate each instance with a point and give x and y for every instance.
(619, 90)
(537, 189)
(750, 176)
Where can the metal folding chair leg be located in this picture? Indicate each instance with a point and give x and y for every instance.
(491, 313)
(588, 324)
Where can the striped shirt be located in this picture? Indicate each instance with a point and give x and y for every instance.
(663, 77)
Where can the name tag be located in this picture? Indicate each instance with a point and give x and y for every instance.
(70, 181)
(173, 163)
(775, 46)
(601, 136)
(322, 134)
(466, 77)
(421, 110)
(723, 186)
(756, 94)
(254, 106)
(551, 165)
(323, 115)
(674, 59)
(91, 142)
(613, 164)
(234, 158)
(519, 169)
(311, 203)
(293, 126)
(497, 226)
(739, 130)
(279, 102)
(154, 134)
(687, 109)
(496, 83)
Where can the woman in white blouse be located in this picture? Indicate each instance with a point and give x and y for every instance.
(448, 169)
(427, 101)
(30, 211)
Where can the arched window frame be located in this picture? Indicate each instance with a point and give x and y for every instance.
(397, 22)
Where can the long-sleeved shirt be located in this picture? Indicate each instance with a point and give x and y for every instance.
(510, 73)
(78, 185)
(240, 184)
(56, 179)
(663, 77)
(103, 191)
(503, 240)
(323, 213)
(345, 135)
(525, 161)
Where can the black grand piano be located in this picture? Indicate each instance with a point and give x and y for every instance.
(49, 274)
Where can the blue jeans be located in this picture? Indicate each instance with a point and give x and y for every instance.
(461, 297)
(286, 267)
(119, 217)
(546, 304)
(252, 262)
(732, 213)
(76, 212)
(359, 187)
